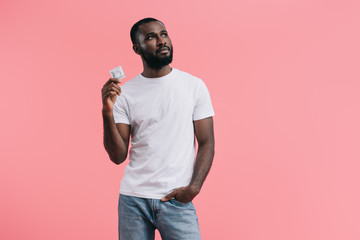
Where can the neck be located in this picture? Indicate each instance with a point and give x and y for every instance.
(155, 73)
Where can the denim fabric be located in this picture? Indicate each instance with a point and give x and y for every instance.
(139, 217)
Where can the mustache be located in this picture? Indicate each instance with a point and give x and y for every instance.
(162, 48)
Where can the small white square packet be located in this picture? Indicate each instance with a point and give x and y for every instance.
(117, 73)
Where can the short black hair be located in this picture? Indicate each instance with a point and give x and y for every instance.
(135, 28)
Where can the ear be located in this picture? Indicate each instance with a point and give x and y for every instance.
(136, 48)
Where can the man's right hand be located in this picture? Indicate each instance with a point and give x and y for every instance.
(109, 93)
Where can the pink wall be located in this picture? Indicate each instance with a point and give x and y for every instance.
(284, 80)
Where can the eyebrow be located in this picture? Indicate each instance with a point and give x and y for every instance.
(151, 33)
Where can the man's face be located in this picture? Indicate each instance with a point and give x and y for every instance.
(155, 45)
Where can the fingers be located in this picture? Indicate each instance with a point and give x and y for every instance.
(169, 196)
(112, 80)
(114, 88)
(109, 94)
(111, 88)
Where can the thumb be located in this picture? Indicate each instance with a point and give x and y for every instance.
(169, 196)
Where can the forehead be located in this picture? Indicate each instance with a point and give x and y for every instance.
(149, 27)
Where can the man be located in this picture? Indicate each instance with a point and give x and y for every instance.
(161, 108)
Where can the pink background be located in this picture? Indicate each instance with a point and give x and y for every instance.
(284, 80)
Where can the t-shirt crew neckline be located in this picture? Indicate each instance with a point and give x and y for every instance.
(159, 78)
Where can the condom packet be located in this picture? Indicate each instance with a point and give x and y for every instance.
(117, 73)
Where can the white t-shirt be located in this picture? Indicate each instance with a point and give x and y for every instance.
(161, 112)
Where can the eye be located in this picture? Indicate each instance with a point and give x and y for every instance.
(164, 34)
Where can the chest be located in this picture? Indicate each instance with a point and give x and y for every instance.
(152, 104)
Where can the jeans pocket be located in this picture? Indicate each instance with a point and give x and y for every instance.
(178, 203)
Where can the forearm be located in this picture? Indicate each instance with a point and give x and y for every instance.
(203, 164)
(113, 142)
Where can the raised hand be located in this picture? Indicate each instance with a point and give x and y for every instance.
(109, 93)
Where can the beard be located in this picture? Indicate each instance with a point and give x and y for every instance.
(155, 62)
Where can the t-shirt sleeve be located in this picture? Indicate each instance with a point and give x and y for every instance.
(120, 111)
(203, 107)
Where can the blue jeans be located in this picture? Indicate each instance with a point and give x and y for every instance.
(139, 217)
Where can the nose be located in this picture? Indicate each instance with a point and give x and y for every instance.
(161, 41)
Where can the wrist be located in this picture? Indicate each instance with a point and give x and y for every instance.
(194, 189)
(107, 113)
